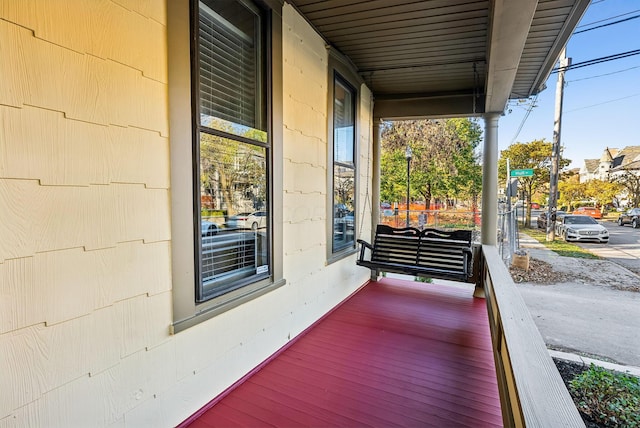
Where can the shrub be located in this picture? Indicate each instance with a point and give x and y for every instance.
(609, 398)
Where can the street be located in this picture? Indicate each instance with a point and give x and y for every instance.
(623, 247)
(592, 317)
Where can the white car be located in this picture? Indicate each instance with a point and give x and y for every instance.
(208, 228)
(582, 228)
(254, 221)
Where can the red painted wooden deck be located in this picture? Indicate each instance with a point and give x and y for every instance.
(397, 353)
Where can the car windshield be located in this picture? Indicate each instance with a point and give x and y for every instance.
(578, 219)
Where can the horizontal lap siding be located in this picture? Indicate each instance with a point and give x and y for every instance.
(85, 238)
(85, 256)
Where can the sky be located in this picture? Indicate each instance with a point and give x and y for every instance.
(601, 102)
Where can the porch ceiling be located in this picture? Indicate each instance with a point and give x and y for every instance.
(447, 57)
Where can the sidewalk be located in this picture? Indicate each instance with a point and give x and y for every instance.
(586, 314)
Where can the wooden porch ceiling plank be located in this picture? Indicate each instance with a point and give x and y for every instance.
(475, 17)
(346, 34)
(473, 50)
(356, 45)
(377, 12)
(359, 9)
(478, 44)
(397, 35)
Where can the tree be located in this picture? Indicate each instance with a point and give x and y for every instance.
(630, 181)
(603, 192)
(535, 155)
(234, 170)
(442, 162)
(571, 190)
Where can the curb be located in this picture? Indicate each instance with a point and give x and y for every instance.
(635, 371)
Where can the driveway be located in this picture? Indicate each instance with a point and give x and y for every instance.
(592, 313)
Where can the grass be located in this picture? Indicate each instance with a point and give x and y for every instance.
(559, 246)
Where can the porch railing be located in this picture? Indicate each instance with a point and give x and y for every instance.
(532, 392)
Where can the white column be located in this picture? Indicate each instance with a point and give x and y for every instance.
(375, 185)
(490, 179)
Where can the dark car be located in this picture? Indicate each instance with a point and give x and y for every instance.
(631, 217)
(542, 218)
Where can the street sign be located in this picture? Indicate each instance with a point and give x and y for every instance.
(522, 173)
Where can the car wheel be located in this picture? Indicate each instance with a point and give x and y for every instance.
(620, 223)
(254, 226)
(634, 223)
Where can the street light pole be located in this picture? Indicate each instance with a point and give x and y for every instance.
(407, 154)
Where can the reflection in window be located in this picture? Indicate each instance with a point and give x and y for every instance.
(343, 165)
(233, 148)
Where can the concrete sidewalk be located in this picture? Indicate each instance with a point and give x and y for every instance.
(586, 315)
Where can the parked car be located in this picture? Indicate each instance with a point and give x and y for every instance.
(631, 217)
(582, 228)
(208, 228)
(542, 218)
(590, 211)
(254, 221)
(535, 206)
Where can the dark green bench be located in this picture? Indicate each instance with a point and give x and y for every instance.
(428, 253)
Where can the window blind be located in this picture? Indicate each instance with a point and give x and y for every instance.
(228, 70)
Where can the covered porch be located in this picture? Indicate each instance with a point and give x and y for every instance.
(404, 353)
(395, 353)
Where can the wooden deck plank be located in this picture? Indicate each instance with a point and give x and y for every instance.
(397, 353)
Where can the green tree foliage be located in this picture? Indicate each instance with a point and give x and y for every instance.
(443, 165)
(534, 155)
(233, 169)
(630, 181)
(570, 191)
(602, 192)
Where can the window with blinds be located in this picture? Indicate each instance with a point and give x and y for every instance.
(233, 175)
(343, 165)
(230, 61)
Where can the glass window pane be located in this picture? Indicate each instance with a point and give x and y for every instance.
(343, 123)
(234, 214)
(343, 207)
(230, 60)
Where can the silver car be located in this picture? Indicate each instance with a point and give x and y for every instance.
(582, 228)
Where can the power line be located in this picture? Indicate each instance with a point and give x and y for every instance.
(607, 24)
(605, 74)
(524, 119)
(604, 102)
(606, 19)
(597, 60)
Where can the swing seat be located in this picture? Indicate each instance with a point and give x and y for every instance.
(428, 253)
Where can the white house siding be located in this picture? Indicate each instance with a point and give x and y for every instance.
(85, 249)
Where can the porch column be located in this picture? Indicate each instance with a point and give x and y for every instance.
(490, 179)
(375, 185)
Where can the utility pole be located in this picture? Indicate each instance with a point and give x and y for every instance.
(555, 150)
